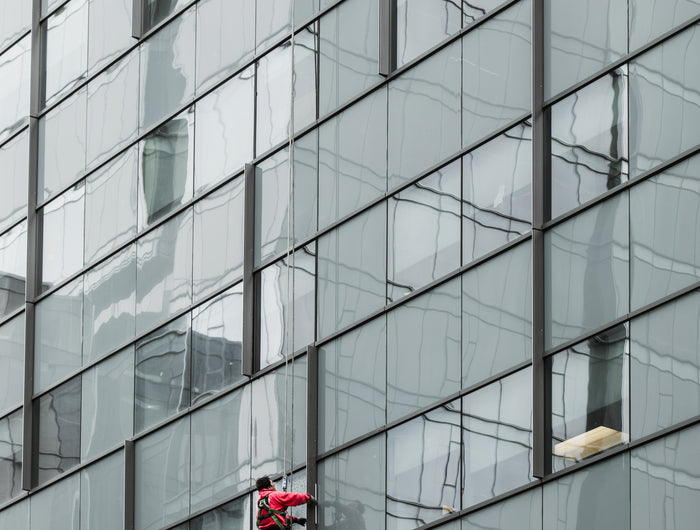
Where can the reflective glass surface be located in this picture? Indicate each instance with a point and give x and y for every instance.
(273, 101)
(14, 159)
(423, 350)
(113, 109)
(15, 19)
(424, 114)
(305, 186)
(155, 11)
(473, 11)
(109, 31)
(349, 52)
(217, 337)
(16, 516)
(589, 142)
(590, 393)
(352, 158)
(225, 39)
(497, 437)
(352, 385)
(352, 270)
(10, 460)
(58, 335)
(665, 370)
(305, 76)
(58, 506)
(164, 271)
(109, 306)
(102, 494)
(596, 497)
(663, 117)
(224, 140)
(651, 18)
(62, 155)
(496, 73)
(66, 49)
(665, 233)
(110, 205)
(664, 492)
(581, 38)
(423, 24)
(13, 268)
(423, 232)
(272, 204)
(587, 271)
(234, 515)
(522, 512)
(165, 169)
(14, 92)
(497, 315)
(274, 18)
(162, 374)
(351, 487)
(107, 414)
(497, 192)
(423, 468)
(221, 449)
(59, 431)
(162, 477)
(167, 68)
(63, 236)
(12, 362)
(218, 239)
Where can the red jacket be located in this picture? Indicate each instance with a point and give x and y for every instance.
(280, 500)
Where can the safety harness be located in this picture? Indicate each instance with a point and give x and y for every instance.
(264, 504)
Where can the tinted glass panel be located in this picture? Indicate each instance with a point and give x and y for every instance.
(102, 494)
(14, 97)
(109, 31)
(13, 268)
(273, 102)
(272, 205)
(16, 516)
(274, 18)
(305, 186)
(15, 19)
(234, 515)
(522, 512)
(422, 25)
(651, 18)
(58, 506)
(12, 361)
(10, 459)
(155, 11)
(63, 236)
(14, 159)
(305, 78)
(473, 11)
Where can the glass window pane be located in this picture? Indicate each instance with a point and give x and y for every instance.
(664, 492)
(522, 512)
(14, 92)
(474, 10)
(112, 109)
(218, 239)
(279, 419)
(14, 159)
(423, 350)
(162, 374)
(424, 115)
(234, 515)
(651, 18)
(592, 498)
(497, 437)
(224, 140)
(273, 101)
(274, 19)
(15, 19)
(61, 155)
(352, 271)
(422, 25)
(304, 79)
(162, 481)
(424, 232)
(12, 362)
(109, 307)
(351, 487)
(63, 236)
(156, 11)
(589, 142)
(13, 268)
(109, 31)
(217, 337)
(496, 71)
(349, 52)
(663, 118)
(110, 205)
(58, 506)
(58, 335)
(164, 271)
(497, 192)
(305, 186)
(225, 39)
(11, 431)
(590, 387)
(352, 385)
(665, 371)
(272, 204)
(497, 315)
(167, 67)
(221, 449)
(16, 516)
(423, 468)
(587, 271)
(665, 233)
(102, 494)
(108, 404)
(59, 431)
(352, 158)
(66, 49)
(165, 176)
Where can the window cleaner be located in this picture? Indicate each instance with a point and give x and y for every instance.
(273, 504)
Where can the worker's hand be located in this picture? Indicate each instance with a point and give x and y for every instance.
(301, 521)
(312, 501)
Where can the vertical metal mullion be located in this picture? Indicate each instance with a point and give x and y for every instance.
(312, 432)
(247, 362)
(136, 19)
(387, 37)
(129, 484)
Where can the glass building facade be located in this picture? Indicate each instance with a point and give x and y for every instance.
(437, 262)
